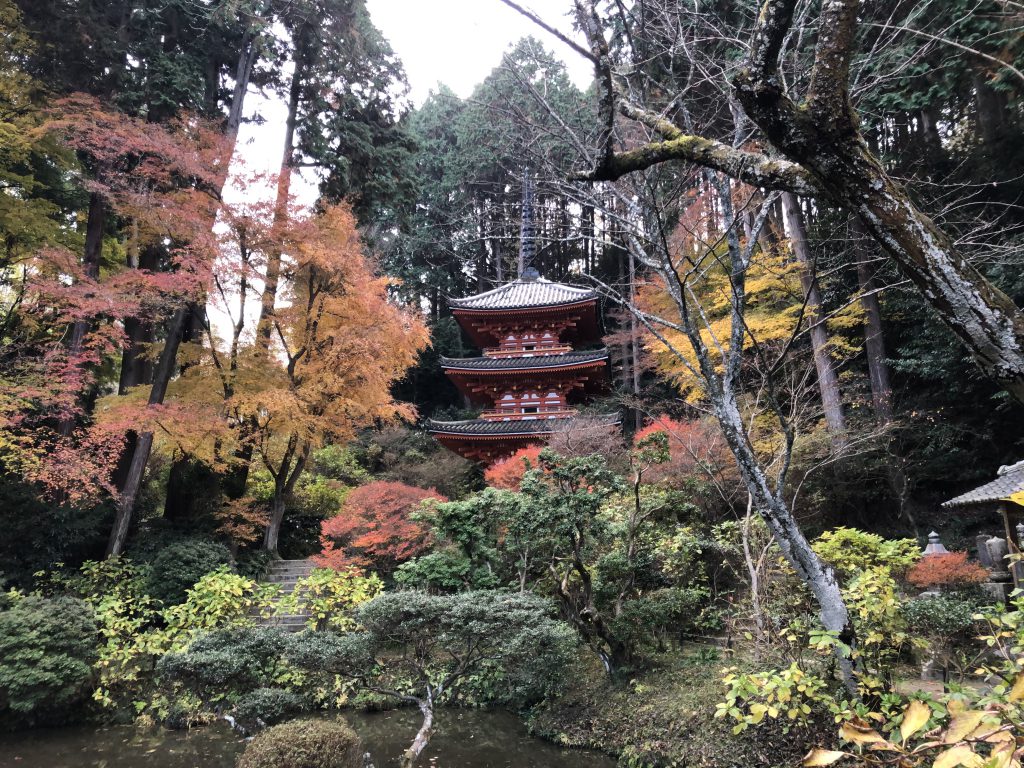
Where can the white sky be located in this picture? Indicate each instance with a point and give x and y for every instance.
(459, 42)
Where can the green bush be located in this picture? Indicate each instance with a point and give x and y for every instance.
(180, 565)
(267, 706)
(850, 551)
(945, 617)
(227, 663)
(47, 648)
(304, 744)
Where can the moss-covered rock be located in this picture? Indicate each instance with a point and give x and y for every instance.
(305, 744)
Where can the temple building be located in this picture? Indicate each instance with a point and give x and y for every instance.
(532, 374)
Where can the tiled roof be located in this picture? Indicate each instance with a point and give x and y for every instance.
(483, 427)
(523, 294)
(523, 363)
(1009, 481)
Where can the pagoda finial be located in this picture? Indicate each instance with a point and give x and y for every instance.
(527, 232)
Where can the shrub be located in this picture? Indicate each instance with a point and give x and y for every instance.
(330, 597)
(375, 528)
(267, 706)
(47, 648)
(227, 663)
(180, 565)
(849, 551)
(304, 744)
(943, 617)
(951, 569)
(219, 599)
(508, 473)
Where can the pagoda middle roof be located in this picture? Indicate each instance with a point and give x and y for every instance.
(563, 360)
(525, 294)
(486, 428)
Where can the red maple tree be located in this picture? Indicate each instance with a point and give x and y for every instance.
(508, 473)
(696, 450)
(375, 529)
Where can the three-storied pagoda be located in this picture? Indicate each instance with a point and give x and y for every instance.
(531, 374)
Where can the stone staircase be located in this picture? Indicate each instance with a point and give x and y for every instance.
(286, 574)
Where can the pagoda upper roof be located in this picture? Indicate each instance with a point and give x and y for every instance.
(526, 293)
(523, 363)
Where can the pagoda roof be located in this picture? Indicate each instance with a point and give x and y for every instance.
(511, 428)
(534, 293)
(1009, 480)
(523, 363)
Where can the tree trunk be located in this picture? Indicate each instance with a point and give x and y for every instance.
(91, 254)
(144, 441)
(828, 381)
(264, 326)
(874, 340)
(273, 530)
(817, 575)
(284, 484)
(412, 754)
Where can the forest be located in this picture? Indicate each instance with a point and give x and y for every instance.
(230, 537)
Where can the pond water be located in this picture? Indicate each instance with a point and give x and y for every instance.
(463, 739)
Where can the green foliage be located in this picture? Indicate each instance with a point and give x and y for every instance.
(849, 551)
(226, 664)
(873, 601)
(304, 744)
(219, 599)
(267, 706)
(180, 565)
(330, 597)
(47, 649)
(477, 646)
(339, 463)
(790, 693)
(445, 570)
(943, 617)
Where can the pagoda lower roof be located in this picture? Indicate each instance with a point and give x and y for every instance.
(525, 294)
(524, 363)
(485, 428)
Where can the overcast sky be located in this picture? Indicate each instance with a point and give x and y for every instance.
(458, 42)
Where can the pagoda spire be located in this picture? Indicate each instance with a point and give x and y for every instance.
(527, 232)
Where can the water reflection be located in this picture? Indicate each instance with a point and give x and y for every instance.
(464, 739)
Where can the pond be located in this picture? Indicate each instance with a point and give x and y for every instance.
(464, 739)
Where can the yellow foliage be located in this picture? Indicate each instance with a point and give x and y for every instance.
(774, 310)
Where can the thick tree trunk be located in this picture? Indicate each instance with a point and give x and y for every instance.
(273, 530)
(412, 754)
(828, 381)
(835, 154)
(874, 339)
(284, 484)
